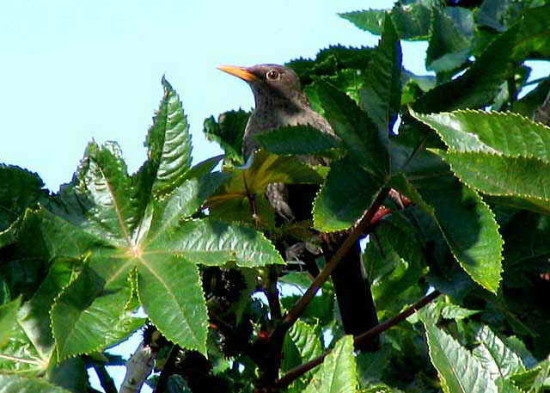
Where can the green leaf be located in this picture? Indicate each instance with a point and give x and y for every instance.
(169, 145)
(337, 374)
(481, 82)
(228, 131)
(381, 95)
(180, 313)
(8, 320)
(347, 193)
(453, 311)
(394, 262)
(525, 178)
(34, 315)
(450, 38)
(86, 315)
(17, 384)
(330, 61)
(184, 201)
(459, 371)
(359, 134)
(212, 242)
(20, 189)
(495, 356)
(297, 140)
(467, 223)
(105, 183)
(493, 132)
(301, 344)
(231, 201)
(411, 21)
(492, 13)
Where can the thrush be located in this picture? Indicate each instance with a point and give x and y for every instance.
(279, 102)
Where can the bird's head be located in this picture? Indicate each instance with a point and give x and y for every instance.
(269, 82)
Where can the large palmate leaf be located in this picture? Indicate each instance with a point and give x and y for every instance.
(135, 232)
(338, 373)
(93, 310)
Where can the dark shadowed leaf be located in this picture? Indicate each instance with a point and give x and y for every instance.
(467, 223)
(17, 384)
(297, 140)
(381, 93)
(450, 38)
(346, 194)
(20, 189)
(359, 134)
(228, 131)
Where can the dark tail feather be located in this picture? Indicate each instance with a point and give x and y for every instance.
(353, 293)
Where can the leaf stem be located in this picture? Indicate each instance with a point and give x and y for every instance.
(298, 371)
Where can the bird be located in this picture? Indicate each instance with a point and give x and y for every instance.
(278, 102)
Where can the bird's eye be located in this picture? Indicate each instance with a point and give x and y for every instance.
(272, 75)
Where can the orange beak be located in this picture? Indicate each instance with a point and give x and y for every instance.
(240, 72)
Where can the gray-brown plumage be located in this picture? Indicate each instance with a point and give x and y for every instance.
(279, 101)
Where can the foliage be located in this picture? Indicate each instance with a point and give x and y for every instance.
(450, 169)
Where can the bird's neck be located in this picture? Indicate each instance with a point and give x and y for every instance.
(283, 103)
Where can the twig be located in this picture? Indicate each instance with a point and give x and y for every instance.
(272, 293)
(105, 379)
(138, 368)
(298, 371)
(542, 114)
(362, 338)
(353, 236)
(168, 369)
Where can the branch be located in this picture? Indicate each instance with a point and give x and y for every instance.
(542, 114)
(297, 372)
(138, 368)
(272, 293)
(105, 379)
(358, 231)
(167, 370)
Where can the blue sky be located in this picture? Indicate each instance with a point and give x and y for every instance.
(77, 70)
